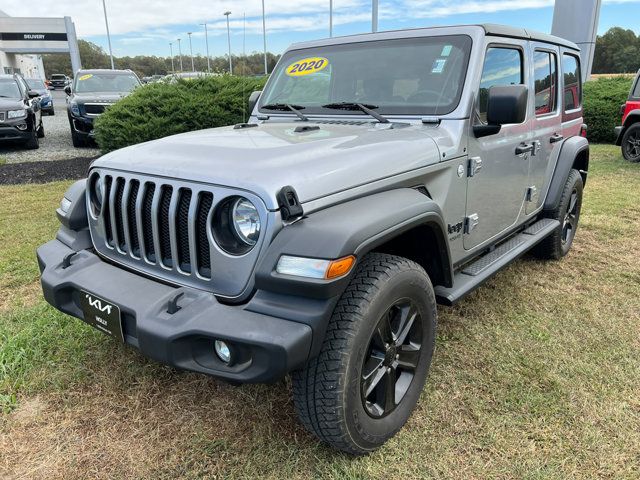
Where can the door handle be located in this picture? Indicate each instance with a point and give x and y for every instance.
(556, 137)
(524, 148)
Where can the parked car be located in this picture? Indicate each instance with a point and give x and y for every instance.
(92, 92)
(174, 77)
(46, 100)
(20, 113)
(378, 174)
(628, 133)
(58, 80)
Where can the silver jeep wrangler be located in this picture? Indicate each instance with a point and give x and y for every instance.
(378, 175)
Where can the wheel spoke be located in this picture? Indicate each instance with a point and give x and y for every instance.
(383, 331)
(573, 202)
(390, 389)
(408, 357)
(407, 318)
(374, 379)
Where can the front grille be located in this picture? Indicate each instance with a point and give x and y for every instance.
(94, 108)
(156, 229)
(162, 227)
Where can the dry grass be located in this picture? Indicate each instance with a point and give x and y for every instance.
(535, 376)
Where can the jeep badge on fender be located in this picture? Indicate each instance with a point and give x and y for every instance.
(381, 174)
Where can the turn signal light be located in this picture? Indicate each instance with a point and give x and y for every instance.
(340, 267)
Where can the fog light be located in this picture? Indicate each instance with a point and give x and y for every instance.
(21, 126)
(223, 351)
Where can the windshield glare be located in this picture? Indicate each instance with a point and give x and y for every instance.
(105, 82)
(422, 76)
(9, 88)
(36, 84)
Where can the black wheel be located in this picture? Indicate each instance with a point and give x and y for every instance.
(32, 143)
(366, 380)
(77, 140)
(558, 244)
(631, 143)
(40, 130)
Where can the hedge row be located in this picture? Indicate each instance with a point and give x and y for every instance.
(602, 100)
(160, 109)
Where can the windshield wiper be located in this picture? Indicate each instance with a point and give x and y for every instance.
(352, 106)
(287, 106)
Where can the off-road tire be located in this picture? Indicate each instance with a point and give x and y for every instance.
(40, 130)
(327, 391)
(32, 143)
(631, 136)
(557, 245)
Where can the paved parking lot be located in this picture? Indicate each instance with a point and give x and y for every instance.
(57, 142)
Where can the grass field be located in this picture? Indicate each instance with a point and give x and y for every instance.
(536, 375)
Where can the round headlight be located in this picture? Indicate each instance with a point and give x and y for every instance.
(245, 221)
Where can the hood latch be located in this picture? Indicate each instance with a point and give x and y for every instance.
(290, 208)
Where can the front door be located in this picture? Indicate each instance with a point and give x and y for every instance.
(498, 175)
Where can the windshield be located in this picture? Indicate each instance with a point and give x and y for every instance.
(9, 88)
(36, 84)
(421, 76)
(105, 82)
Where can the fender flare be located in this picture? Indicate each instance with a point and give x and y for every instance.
(355, 227)
(632, 117)
(571, 148)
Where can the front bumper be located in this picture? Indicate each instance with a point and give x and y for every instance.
(266, 347)
(82, 125)
(11, 132)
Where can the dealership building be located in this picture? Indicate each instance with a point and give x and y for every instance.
(23, 41)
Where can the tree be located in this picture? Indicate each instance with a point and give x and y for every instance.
(617, 51)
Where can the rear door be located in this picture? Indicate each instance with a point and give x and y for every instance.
(547, 120)
(498, 175)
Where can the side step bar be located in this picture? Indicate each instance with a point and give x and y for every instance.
(474, 274)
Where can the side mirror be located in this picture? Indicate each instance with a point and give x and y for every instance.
(253, 100)
(506, 105)
(67, 90)
(33, 94)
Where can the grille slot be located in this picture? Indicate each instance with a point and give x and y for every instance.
(119, 234)
(202, 242)
(182, 230)
(133, 219)
(147, 227)
(163, 226)
(106, 211)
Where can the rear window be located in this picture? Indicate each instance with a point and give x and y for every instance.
(572, 82)
(58, 77)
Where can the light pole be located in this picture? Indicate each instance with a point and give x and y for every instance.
(193, 68)
(374, 16)
(106, 22)
(179, 40)
(206, 39)
(227, 13)
(330, 18)
(171, 50)
(264, 39)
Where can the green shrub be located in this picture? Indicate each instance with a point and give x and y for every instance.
(160, 109)
(602, 100)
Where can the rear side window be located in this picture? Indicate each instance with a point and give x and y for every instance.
(546, 81)
(502, 66)
(572, 82)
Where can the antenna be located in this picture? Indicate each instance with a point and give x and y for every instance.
(244, 57)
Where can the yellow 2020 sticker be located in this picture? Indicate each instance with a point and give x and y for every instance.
(307, 66)
(85, 77)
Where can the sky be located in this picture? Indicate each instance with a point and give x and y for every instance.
(145, 27)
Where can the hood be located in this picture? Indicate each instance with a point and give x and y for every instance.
(265, 158)
(11, 104)
(105, 97)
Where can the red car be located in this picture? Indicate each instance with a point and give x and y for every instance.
(628, 134)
